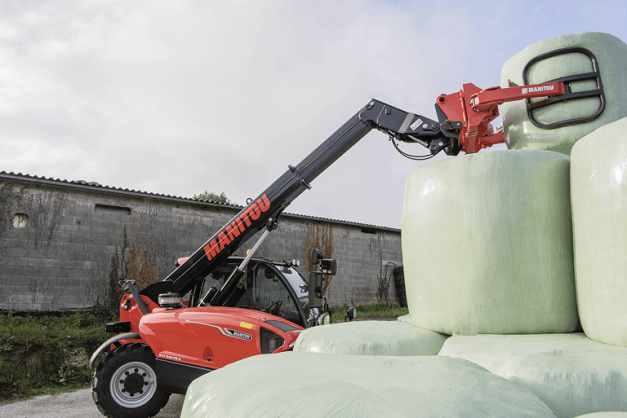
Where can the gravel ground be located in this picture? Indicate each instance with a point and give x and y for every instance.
(77, 404)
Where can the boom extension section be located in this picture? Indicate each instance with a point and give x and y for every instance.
(463, 125)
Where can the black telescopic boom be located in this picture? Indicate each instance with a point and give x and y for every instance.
(265, 209)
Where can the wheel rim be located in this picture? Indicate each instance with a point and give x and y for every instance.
(133, 384)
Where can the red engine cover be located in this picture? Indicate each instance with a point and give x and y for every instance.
(212, 337)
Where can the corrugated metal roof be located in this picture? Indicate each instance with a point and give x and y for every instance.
(85, 185)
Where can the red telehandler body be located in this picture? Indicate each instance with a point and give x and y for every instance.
(164, 343)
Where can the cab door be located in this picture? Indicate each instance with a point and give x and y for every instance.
(271, 293)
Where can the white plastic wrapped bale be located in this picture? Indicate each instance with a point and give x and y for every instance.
(599, 201)
(375, 338)
(570, 373)
(611, 54)
(487, 244)
(297, 384)
(605, 415)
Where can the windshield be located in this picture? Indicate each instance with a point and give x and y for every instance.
(296, 281)
(261, 288)
(217, 277)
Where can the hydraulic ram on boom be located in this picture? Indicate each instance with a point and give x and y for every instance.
(463, 125)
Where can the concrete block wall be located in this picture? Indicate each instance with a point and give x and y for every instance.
(61, 258)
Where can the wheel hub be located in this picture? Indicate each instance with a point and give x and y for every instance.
(133, 384)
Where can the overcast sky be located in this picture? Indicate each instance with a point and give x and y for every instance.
(179, 97)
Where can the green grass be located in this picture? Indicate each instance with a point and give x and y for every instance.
(373, 312)
(47, 353)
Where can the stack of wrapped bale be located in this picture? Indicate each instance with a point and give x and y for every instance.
(495, 286)
(575, 373)
(585, 372)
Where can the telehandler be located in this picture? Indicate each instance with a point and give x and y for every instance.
(165, 342)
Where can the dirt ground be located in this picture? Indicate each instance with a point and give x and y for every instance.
(77, 404)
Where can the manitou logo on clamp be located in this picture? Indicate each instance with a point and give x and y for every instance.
(535, 89)
(239, 225)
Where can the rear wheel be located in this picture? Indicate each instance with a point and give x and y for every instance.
(125, 383)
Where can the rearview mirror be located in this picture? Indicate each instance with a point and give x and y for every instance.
(316, 256)
(329, 267)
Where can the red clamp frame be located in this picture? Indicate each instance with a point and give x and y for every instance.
(476, 108)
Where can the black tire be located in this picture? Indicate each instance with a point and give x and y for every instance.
(125, 383)
(399, 283)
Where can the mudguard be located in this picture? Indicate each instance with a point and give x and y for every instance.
(112, 340)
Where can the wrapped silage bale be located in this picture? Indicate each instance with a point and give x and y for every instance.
(611, 57)
(375, 338)
(487, 244)
(298, 384)
(599, 207)
(570, 373)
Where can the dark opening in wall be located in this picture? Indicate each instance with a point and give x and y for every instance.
(116, 210)
(20, 220)
(368, 231)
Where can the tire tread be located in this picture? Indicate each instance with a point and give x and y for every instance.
(100, 390)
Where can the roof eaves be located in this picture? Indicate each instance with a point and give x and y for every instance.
(84, 185)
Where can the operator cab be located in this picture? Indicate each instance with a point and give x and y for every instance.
(267, 286)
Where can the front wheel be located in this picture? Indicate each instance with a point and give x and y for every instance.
(125, 383)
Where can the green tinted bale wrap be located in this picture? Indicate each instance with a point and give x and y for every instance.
(570, 373)
(611, 54)
(599, 202)
(487, 244)
(374, 338)
(299, 384)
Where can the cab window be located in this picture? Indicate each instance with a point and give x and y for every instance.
(269, 293)
(214, 279)
(260, 289)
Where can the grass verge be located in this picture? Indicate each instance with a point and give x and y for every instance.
(373, 312)
(47, 353)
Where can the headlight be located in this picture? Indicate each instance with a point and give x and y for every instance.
(324, 319)
(169, 300)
